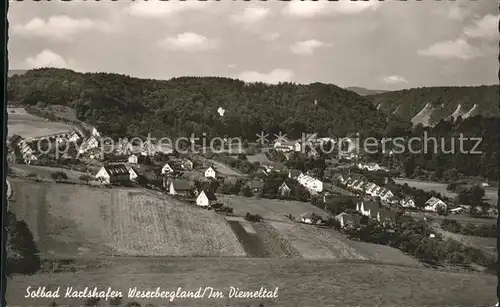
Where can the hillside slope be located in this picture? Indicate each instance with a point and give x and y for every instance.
(429, 105)
(120, 105)
(364, 91)
(83, 221)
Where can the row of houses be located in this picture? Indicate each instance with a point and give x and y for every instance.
(372, 167)
(310, 183)
(371, 189)
(26, 152)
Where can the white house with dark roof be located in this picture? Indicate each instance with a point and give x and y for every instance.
(206, 199)
(407, 203)
(210, 173)
(115, 173)
(434, 203)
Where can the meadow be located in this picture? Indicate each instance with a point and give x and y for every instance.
(31, 126)
(300, 282)
(83, 220)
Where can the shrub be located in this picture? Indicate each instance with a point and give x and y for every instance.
(253, 217)
(59, 175)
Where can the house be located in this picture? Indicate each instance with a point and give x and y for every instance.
(210, 173)
(167, 169)
(73, 137)
(369, 166)
(206, 199)
(368, 208)
(294, 173)
(407, 203)
(457, 210)
(95, 133)
(132, 159)
(346, 219)
(433, 204)
(114, 173)
(312, 184)
(310, 218)
(179, 187)
(255, 185)
(88, 144)
(133, 174)
(386, 194)
(284, 190)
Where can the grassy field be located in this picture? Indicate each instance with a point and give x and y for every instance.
(270, 209)
(487, 245)
(30, 126)
(300, 283)
(43, 172)
(223, 169)
(491, 193)
(82, 220)
(260, 157)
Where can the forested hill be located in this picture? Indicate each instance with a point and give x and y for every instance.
(429, 105)
(120, 105)
(364, 91)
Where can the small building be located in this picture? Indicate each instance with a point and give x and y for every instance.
(210, 173)
(167, 169)
(310, 218)
(434, 204)
(206, 199)
(88, 144)
(73, 137)
(346, 219)
(179, 187)
(372, 167)
(284, 190)
(114, 173)
(407, 203)
(132, 159)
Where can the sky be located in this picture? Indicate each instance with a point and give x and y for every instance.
(377, 45)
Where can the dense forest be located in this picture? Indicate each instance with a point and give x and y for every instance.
(442, 158)
(120, 105)
(443, 100)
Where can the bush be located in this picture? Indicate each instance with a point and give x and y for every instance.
(59, 175)
(253, 217)
(22, 252)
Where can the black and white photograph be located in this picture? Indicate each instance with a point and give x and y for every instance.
(252, 153)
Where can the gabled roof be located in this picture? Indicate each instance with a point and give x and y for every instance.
(432, 201)
(284, 186)
(210, 195)
(116, 169)
(181, 185)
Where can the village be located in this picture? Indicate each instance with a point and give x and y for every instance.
(196, 179)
